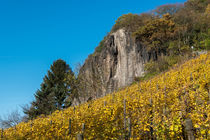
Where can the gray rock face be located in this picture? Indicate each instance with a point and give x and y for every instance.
(116, 66)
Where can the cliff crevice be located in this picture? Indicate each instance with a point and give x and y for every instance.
(115, 66)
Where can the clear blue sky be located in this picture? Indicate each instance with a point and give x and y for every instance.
(34, 33)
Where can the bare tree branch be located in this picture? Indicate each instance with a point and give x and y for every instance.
(11, 119)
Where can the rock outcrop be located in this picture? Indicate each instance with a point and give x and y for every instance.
(115, 66)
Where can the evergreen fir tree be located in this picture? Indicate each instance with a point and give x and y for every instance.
(53, 92)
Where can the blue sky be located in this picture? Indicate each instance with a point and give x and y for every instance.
(34, 33)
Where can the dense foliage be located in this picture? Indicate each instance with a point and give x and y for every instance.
(131, 22)
(160, 105)
(156, 33)
(171, 29)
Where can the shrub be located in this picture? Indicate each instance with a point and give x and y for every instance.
(129, 21)
(163, 63)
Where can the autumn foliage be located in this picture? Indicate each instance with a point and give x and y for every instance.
(161, 104)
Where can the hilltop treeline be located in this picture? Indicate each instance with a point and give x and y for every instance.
(173, 28)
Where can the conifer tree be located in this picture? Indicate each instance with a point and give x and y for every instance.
(54, 90)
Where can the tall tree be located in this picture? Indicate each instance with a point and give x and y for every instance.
(53, 92)
(56, 82)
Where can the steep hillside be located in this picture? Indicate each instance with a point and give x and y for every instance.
(134, 40)
(158, 108)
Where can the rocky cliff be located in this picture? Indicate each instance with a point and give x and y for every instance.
(120, 60)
